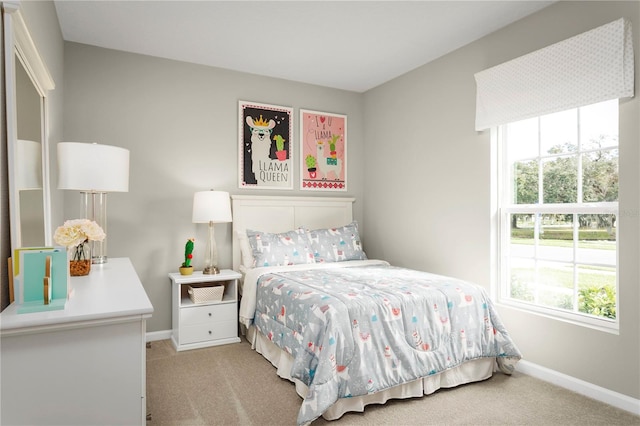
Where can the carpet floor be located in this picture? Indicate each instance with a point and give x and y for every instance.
(234, 385)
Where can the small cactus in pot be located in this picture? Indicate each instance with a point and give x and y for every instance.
(310, 160)
(280, 152)
(186, 268)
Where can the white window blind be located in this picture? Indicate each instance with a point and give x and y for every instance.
(591, 67)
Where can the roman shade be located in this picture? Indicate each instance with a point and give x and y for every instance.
(591, 67)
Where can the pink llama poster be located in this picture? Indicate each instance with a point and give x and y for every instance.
(323, 151)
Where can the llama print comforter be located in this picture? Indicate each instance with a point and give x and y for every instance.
(354, 330)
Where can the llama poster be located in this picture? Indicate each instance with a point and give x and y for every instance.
(323, 151)
(266, 146)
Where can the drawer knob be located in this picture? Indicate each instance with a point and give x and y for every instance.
(209, 331)
(209, 313)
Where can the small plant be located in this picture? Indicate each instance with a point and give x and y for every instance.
(332, 145)
(281, 154)
(310, 160)
(279, 142)
(188, 250)
(598, 300)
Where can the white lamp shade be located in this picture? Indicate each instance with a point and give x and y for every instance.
(92, 167)
(28, 165)
(211, 206)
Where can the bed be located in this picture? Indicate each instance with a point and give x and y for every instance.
(350, 331)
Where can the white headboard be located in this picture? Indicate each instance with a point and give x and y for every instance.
(280, 214)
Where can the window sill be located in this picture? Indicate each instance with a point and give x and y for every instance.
(604, 325)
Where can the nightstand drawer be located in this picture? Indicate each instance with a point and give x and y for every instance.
(208, 314)
(204, 332)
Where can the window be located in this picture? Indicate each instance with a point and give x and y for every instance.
(558, 208)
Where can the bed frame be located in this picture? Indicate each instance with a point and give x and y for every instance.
(280, 214)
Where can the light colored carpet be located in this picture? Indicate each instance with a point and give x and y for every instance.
(234, 385)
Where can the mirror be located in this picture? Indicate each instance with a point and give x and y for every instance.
(28, 82)
(29, 182)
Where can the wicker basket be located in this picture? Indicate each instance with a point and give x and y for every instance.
(206, 294)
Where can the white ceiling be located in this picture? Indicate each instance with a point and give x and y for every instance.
(351, 45)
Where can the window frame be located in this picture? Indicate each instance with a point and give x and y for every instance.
(505, 205)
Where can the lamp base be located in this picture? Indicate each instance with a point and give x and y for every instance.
(211, 270)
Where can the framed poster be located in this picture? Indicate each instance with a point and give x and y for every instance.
(323, 151)
(266, 147)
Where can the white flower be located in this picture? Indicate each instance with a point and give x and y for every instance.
(77, 231)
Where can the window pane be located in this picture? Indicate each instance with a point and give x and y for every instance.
(522, 235)
(556, 237)
(555, 285)
(600, 176)
(559, 132)
(598, 236)
(599, 125)
(522, 279)
(523, 139)
(545, 283)
(597, 291)
(525, 184)
(560, 179)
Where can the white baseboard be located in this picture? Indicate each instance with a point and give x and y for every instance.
(598, 393)
(158, 335)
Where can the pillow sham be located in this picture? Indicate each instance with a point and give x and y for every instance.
(337, 244)
(287, 248)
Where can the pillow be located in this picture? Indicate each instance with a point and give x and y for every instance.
(287, 248)
(337, 244)
(246, 254)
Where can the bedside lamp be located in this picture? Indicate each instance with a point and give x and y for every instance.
(211, 207)
(93, 170)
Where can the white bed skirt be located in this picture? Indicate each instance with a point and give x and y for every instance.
(472, 371)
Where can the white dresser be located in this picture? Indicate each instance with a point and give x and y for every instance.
(84, 365)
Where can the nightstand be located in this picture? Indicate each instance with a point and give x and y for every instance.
(210, 323)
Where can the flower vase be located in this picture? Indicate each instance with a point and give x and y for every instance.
(80, 259)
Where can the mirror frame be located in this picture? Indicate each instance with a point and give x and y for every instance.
(19, 46)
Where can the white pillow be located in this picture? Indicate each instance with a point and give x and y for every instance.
(246, 253)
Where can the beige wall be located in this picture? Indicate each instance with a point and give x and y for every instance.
(428, 188)
(180, 123)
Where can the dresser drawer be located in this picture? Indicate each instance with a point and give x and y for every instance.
(208, 314)
(204, 332)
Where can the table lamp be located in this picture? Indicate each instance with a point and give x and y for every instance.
(94, 170)
(211, 207)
